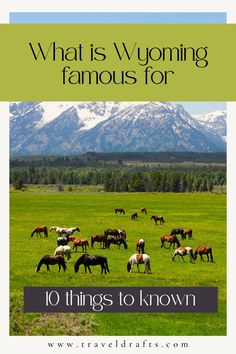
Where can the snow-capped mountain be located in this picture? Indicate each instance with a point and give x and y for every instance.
(41, 128)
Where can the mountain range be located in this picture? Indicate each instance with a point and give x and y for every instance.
(68, 128)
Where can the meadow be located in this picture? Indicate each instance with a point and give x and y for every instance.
(93, 212)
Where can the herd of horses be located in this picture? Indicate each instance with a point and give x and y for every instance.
(63, 251)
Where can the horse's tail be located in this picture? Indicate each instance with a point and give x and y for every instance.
(149, 265)
(46, 231)
(41, 262)
(211, 255)
(63, 263)
(191, 255)
(92, 242)
(163, 220)
(128, 266)
(106, 266)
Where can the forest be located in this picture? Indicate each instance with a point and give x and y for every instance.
(154, 172)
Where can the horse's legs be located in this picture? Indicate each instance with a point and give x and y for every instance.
(85, 268)
(48, 269)
(59, 266)
(207, 257)
(201, 258)
(89, 269)
(183, 258)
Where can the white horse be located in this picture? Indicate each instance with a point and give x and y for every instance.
(183, 251)
(71, 230)
(63, 251)
(139, 259)
(57, 229)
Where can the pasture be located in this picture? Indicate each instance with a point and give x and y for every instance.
(93, 213)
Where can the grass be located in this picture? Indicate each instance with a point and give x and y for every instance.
(93, 212)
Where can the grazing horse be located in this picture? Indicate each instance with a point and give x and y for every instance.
(144, 211)
(80, 242)
(204, 250)
(62, 241)
(69, 231)
(157, 218)
(139, 259)
(140, 246)
(102, 239)
(178, 232)
(57, 229)
(51, 260)
(88, 261)
(112, 232)
(39, 229)
(122, 234)
(172, 239)
(134, 216)
(63, 251)
(119, 210)
(183, 251)
(188, 232)
(116, 241)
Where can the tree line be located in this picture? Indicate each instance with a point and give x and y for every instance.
(121, 179)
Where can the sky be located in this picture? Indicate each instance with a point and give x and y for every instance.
(128, 17)
(119, 17)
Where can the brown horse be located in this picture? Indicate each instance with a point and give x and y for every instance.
(140, 246)
(119, 210)
(157, 218)
(134, 216)
(39, 229)
(204, 250)
(102, 239)
(116, 241)
(188, 232)
(172, 239)
(80, 242)
(51, 260)
(144, 211)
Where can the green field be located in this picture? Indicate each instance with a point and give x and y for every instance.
(94, 212)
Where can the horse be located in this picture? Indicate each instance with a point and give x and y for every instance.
(157, 218)
(62, 241)
(139, 259)
(144, 211)
(112, 232)
(39, 229)
(140, 246)
(80, 242)
(134, 216)
(183, 251)
(63, 251)
(51, 260)
(188, 232)
(98, 238)
(122, 234)
(120, 210)
(172, 239)
(69, 231)
(178, 232)
(88, 261)
(116, 241)
(204, 250)
(57, 229)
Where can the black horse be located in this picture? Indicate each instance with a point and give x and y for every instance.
(51, 260)
(178, 232)
(62, 241)
(116, 241)
(112, 232)
(119, 210)
(88, 261)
